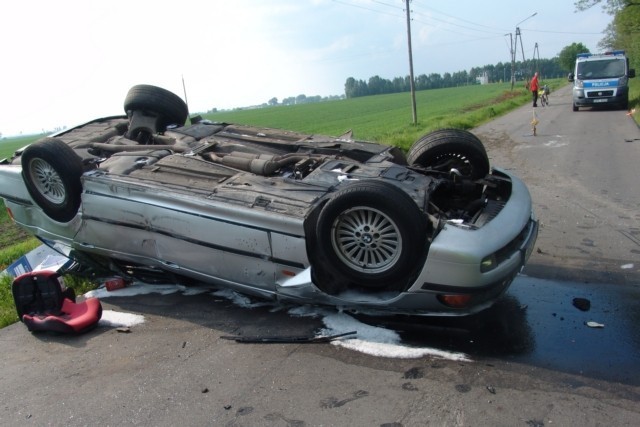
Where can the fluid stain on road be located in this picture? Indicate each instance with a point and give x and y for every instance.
(538, 324)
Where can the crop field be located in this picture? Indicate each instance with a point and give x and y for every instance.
(387, 118)
(9, 145)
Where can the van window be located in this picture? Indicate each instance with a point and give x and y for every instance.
(603, 69)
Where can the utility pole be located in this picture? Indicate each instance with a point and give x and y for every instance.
(536, 60)
(514, 47)
(512, 54)
(411, 80)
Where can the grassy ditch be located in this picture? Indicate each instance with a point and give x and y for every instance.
(634, 98)
(384, 118)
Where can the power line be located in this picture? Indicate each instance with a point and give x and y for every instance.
(561, 32)
(367, 8)
(426, 16)
(451, 23)
(494, 29)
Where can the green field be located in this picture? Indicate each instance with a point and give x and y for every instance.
(9, 145)
(387, 118)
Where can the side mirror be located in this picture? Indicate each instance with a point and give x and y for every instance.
(570, 77)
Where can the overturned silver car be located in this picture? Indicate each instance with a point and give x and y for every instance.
(276, 214)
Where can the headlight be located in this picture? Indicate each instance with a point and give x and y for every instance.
(579, 83)
(488, 263)
(623, 81)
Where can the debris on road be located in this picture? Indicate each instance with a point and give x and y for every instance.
(582, 304)
(286, 340)
(534, 123)
(594, 325)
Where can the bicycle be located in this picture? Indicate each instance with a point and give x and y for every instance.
(543, 95)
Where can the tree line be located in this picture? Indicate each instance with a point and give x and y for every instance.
(523, 70)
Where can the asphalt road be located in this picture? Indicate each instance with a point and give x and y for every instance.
(582, 171)
(533, 360)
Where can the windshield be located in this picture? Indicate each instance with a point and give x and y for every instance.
(602, 69)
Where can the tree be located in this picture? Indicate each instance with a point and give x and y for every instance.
(610, 6)
(375, 85)
(273, 101)
(609, 39)
(567, 56)
(354, 88)
(626, 25)
(622, 32)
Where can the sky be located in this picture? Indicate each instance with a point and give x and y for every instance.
(65, 62)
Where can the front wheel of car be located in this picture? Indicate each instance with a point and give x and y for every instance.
(372, 236)
(51, 171)
(451, 149)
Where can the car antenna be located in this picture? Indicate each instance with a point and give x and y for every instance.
(184, 89)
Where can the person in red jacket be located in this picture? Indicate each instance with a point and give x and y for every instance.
(534, 87)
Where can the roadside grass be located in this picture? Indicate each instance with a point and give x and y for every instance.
(8, 314)
(10, 235)
(14, 251)
(634, 98)
(385, 118)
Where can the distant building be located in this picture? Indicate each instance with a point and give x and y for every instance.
(483, 79)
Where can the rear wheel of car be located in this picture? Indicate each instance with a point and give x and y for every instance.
(448, 149)
(168, 106)
(371, 235)
(51, 171)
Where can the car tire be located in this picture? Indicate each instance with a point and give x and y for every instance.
(51, 171)
(575, 107)
(372, 236)
(171, 109)
(448, 149)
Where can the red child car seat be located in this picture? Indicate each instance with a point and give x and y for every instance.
(42, 305)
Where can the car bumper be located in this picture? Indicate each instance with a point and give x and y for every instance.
(590, 97)
(456, 254)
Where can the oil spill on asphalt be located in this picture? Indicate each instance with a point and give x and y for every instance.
(537, 323)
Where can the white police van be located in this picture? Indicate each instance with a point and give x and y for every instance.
(601, 79)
